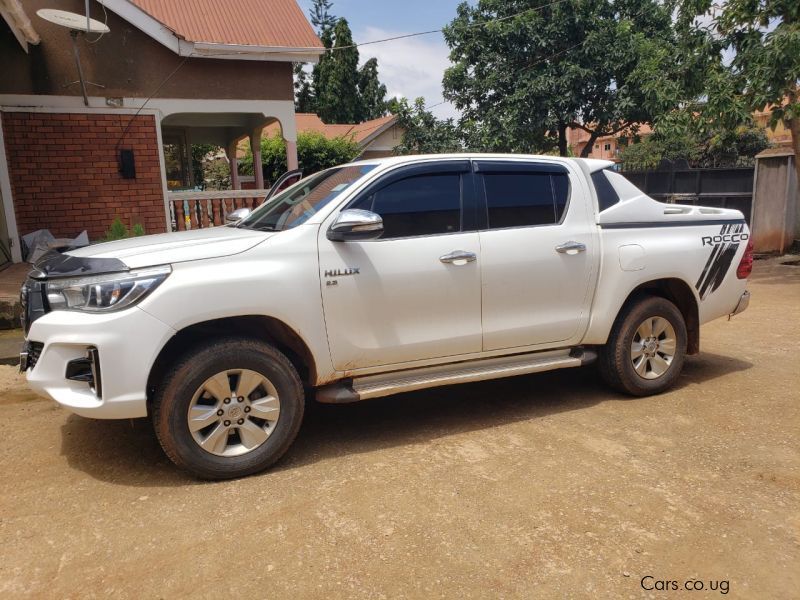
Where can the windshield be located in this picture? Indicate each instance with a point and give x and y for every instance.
(300, 202)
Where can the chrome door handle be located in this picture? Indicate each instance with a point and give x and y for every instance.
(459, 256)
(571, 248)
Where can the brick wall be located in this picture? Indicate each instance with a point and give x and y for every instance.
(65, 176)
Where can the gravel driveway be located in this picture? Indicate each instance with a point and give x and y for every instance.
(540, 486)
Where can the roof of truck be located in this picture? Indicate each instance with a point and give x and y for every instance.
(592, 164)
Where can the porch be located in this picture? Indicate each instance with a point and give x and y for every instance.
(188, 204)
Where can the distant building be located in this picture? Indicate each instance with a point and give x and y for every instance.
(377, 138)
(607, 147)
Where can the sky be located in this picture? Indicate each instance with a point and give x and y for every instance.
(410, 67)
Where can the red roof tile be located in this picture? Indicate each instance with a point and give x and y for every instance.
(266, 23)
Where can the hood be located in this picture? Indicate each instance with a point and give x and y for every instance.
(181, 246)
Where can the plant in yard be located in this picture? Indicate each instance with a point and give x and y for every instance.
(314, 153)
(118, 231)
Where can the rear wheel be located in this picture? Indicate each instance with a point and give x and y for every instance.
(229, 409)
(646, 349)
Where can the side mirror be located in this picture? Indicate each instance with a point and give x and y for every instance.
(237, 215)
(356, 224)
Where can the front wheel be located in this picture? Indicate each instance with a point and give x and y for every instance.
(228, 409)
(646, 349)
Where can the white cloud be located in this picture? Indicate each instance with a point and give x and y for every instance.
(410, 67)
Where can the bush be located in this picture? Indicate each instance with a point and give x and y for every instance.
(315, 152)
(118, 231)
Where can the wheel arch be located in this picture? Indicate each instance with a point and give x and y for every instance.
(681, 295)
(260, 327)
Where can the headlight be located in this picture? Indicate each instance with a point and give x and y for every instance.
(104, 293)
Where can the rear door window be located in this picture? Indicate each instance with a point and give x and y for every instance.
(524, 197)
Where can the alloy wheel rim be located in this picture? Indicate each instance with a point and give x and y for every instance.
(233, 412)
(653, 347)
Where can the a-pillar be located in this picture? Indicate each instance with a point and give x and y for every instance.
(255, 147)
(230, 151)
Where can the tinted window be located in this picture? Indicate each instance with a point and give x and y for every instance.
(421, 205)
(521, 199)
(606, 194)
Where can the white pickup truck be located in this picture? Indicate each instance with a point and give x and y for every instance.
(374, 278)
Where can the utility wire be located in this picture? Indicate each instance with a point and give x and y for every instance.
(150, 97)
(398, 37)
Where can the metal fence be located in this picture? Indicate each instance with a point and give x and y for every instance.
(722, 187)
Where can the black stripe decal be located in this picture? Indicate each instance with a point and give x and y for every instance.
(652, 224)
(718, 262)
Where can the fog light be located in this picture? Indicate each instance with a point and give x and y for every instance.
(86, 370)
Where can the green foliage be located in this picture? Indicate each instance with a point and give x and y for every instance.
(337, 96)
(217, 174)
(520, 82)
(424, 133)
(304, 101)
(118, 231)
(763, 37)
(199, 155)
(722, 148)
(314, 153)
(371, 92)
(321, 17)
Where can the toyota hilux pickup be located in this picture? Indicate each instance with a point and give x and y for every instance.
(374, 278)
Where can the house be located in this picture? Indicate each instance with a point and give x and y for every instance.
(377, 138)
(166, 75)
(606, 147)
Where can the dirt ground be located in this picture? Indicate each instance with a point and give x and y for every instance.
(543, 486)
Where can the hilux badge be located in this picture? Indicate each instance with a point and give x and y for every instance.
(342, 272)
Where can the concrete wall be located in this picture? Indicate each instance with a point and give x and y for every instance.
(128, 63)
(776, 209)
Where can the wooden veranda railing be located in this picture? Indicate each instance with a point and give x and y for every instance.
(197, 210)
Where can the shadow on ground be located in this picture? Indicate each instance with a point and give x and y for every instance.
(128, 453)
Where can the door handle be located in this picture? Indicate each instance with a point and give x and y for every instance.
(459, 257)
(571, 248)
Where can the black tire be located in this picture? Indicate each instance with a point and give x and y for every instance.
(615, 360)
(177, 390)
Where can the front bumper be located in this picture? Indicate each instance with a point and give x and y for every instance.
(125, 344)
(744, 302)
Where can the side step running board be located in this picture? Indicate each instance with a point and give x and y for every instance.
(385, 384)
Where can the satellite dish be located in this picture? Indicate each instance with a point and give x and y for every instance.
(76, 24)
(72, 20)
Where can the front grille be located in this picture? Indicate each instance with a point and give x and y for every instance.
(33, 302)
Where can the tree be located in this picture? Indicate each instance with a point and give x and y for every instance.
(371, 92)
(336, 79)
(321, 18)
(423, 132)
(765, 70)
(524, 71)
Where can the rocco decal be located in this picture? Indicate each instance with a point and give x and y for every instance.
(725, 245)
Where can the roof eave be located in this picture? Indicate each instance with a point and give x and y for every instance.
(14, 14)
(237, 52)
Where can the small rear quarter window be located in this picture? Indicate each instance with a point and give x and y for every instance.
(606, 194)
